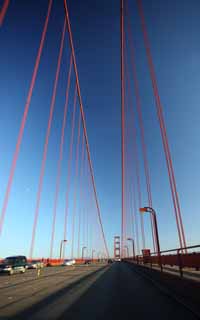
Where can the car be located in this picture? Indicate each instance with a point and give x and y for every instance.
(14, 264)
(35, 264)
(110, 261)
(68, 262)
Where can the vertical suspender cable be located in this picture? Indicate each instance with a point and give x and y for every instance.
(122, 128)
(60, 158)
(69, 165)
(84, 123)
(80, 194)
(174, 192)
(135, 152)
(75, 185)
(135, 217)
(141, 125)
(42, 170)
(133, 164)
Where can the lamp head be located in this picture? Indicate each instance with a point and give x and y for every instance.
(142, 210)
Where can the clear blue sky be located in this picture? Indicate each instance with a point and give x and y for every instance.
(174, 34)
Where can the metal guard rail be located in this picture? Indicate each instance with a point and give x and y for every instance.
(179, 259)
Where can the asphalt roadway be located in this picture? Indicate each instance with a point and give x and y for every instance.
(93, 292)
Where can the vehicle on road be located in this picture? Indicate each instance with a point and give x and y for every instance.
(14, 264)
(110, 261)
(36, 264)
(68, 262)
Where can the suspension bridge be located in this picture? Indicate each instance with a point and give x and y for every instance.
(50, 201)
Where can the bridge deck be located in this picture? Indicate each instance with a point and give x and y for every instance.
(86, 292)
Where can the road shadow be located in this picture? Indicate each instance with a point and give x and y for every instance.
(98, 302)
(119, 292)
(123, 294)
(36, 308)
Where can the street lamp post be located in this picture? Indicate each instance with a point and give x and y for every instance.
(61, 247)
(153, 213)
(83, 248)
(133, 243)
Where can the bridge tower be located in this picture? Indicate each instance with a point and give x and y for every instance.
(116, 247)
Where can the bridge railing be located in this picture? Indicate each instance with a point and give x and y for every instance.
(173, 257)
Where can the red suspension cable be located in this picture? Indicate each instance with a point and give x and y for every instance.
(84, 123)
(173, 187)
(79, 230)
(135, 151)
(85, 241)
(129, 162)
(81, 193)
(122, 127)
(46, 144)
(60, 157)
(135, 217)
(3, 11)
(84, 199)
(69, 165)
(76, 185)
(141, 125)
(23, 122)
